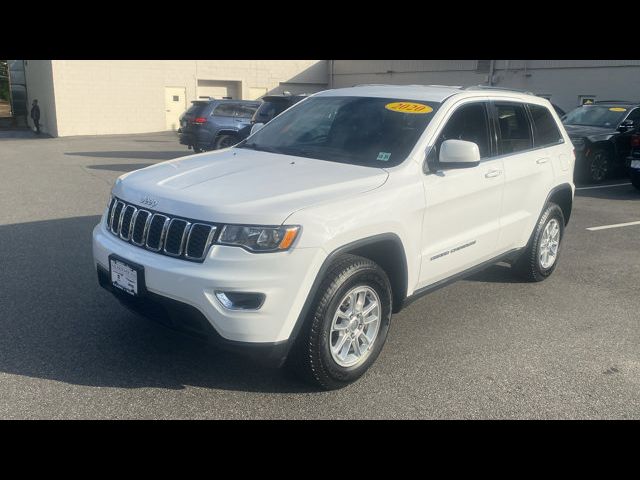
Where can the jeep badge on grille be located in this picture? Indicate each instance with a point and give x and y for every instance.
(149, 202)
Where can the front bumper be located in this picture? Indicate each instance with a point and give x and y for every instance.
(285, 278)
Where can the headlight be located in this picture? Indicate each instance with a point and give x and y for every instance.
(259, 239)
(578, 143)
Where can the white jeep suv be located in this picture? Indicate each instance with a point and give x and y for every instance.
(298, 243)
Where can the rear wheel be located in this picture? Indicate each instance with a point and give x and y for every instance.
(226, 141)
(347, 326)
(635, 180)
(540, 257)
(597, 166)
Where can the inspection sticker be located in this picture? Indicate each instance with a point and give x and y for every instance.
(617, 109)
(384, 156)
(408, 107)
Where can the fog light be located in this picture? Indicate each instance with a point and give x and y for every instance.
(240, 300)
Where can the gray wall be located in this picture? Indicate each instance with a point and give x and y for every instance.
(564, 80)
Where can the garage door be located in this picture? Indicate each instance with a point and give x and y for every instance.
(218, 89)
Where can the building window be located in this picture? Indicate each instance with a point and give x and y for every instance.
(176, 98)
(586, 99)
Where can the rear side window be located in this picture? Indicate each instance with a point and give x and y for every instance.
(546, 129)
(197, 109)
(224, 110)
(513, 128)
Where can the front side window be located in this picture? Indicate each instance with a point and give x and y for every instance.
(634, 116)
(369, 131)
(514, 132)
(546, 130)
(245, 111)
(469, 122)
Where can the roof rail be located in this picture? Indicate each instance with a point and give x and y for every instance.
(491, 87)
(399, 85)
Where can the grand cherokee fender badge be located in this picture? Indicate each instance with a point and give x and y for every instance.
(149, 202)
(453, 250)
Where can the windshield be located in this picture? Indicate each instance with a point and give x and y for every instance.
(376, 132)
(595, 116)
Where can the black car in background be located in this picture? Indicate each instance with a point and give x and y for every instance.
(633, 162)
(601, 133)
(214, 124)
(271, 106)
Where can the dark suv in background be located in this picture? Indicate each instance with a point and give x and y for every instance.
(272, 105)
(214, 124)
(601, 133)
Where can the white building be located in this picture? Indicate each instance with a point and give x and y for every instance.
(87, 97)
(94, 97)
(567, 83)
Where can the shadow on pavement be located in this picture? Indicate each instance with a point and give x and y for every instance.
(121, 167)
(135, 154)
(56, 323)
(499, 273)
(625, 192)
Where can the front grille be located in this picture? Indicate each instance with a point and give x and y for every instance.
(161, 233)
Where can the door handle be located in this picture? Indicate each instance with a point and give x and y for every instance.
(492, 173)
(540, 161)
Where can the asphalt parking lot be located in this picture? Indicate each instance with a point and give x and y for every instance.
(485, 347)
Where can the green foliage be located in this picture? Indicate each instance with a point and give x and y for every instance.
(4, 90)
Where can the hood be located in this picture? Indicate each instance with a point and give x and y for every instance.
(244, 186)
(588, 131)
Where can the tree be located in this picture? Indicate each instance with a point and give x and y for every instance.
(4, 80)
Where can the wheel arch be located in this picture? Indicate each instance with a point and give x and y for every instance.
(562, 195)
(385, 249)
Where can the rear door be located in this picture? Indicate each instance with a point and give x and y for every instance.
(528, 167)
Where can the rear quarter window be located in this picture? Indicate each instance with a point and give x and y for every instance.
(545, 128)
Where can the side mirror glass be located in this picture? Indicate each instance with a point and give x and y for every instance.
(256, 127)
(459, 154)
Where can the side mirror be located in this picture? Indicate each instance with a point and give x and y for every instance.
(256, 127)
(626, 125)
(459, 154)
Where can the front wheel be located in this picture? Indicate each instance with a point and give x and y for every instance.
(540, 257)
(635, 180)
(347, 326)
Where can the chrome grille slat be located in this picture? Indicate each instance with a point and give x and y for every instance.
(207, 243)
(185, 228)
(123, 223)
(159, 233)
(145, 227)
(115, 217)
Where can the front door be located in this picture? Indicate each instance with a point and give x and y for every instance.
(461, 222)
(175, 105)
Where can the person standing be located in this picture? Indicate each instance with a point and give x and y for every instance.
(35, 115)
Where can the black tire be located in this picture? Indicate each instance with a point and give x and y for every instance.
(597, 166)
(225, 141)
(635, 181)
(310, 358)
(528, 266)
